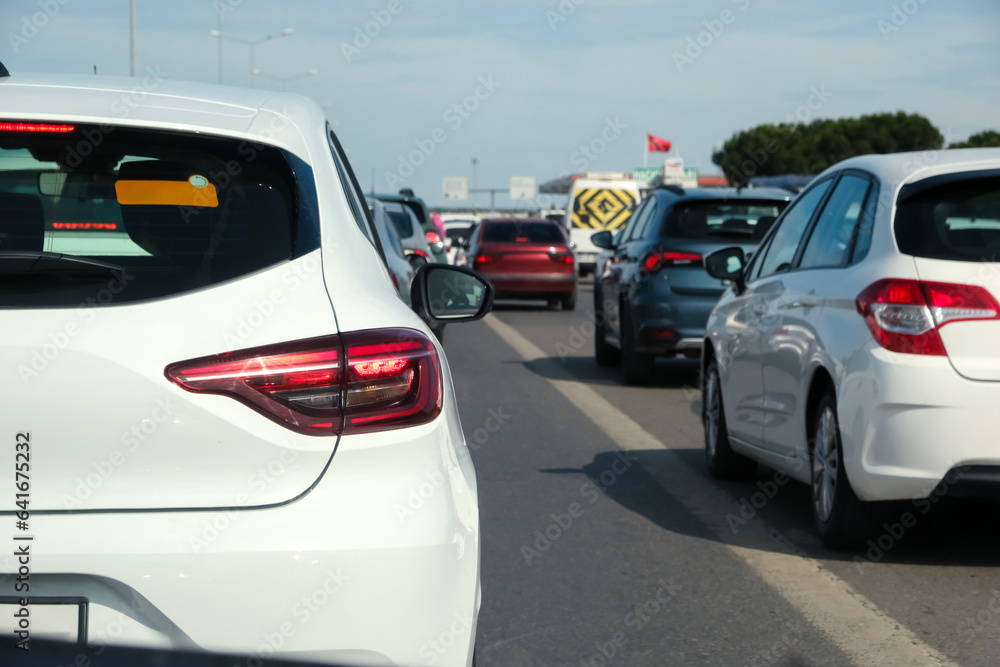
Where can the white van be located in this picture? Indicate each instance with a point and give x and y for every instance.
(598, 202)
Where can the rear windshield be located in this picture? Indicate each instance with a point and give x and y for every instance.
(958, 221)
(149, 213)
(522, 232)
(744, 220)
(402, 221)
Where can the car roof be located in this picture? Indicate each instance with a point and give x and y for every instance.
(722, 193)
(520, 220)
(895, 168)
(151, 100)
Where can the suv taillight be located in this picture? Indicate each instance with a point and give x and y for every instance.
(359, 381)
(905, 315)
(658, 259)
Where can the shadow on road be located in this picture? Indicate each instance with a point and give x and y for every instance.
(937, 531)
(669, 373)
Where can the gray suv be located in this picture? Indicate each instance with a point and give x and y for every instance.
(652, 295)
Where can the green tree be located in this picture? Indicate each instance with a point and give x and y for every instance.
(800, 148)
(985, 139)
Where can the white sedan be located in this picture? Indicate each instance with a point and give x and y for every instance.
(230, 432)
(857, 351)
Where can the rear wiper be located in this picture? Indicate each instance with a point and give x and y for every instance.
(20, 262)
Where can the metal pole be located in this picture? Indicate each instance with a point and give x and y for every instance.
(131, 41)
(253, 77)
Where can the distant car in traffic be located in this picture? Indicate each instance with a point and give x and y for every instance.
(229, 352)
(410, 233)
(857, 350)
(597, 201)
(401, 269)
(457, 232)
(653, 295)
(423, 215)
(525, 258)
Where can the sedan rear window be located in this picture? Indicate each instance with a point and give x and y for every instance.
(523, 232)
(744, 220)
(158, 212)
(957, 221)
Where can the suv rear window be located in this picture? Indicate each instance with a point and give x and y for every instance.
(958, 221)
(744, 220)
(401, 220)
(530, 232)
(160, 212)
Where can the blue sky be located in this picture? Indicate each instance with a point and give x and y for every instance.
(561, 73)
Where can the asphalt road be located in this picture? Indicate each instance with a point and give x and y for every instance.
(605, 542)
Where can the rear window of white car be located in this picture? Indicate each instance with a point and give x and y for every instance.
(158, 212)
(958, 220)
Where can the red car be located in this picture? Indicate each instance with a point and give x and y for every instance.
(526, 258)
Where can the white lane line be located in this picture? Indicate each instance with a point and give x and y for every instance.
(852, 622)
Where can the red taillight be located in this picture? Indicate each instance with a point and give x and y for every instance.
(107, 226)
(561, 256)
(486, 259)
(421, 253)
(905, 315)
(35, 127)
(658, 259)
(395, 281)
(432, 237)
(392, 380)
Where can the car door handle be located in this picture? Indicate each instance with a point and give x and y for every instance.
(806, 301)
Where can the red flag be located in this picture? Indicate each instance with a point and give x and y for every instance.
(657, 145)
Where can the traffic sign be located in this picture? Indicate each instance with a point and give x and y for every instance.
(522, 187)
(455, 187)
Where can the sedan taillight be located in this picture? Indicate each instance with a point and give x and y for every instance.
(561, 256)
(359, 381)
(905, 315)
(658, 259)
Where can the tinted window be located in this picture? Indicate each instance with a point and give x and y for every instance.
(176, 211)
(522, 232)
(958, 221)
(355, 201)
(639, 219)
(787, 237)
(830, 240)
(401, 220)
(721, 220)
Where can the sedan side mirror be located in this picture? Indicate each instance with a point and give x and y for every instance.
(727, 264)
(603, 240)
(445, 293)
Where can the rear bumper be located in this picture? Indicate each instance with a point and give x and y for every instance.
(667, 323)
(912, 428)
(378, 564)
(531, 284)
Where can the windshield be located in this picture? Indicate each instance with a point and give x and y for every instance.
(522, 232)
(722, 221)
(176, 212)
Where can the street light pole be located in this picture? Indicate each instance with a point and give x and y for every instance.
(252, 43)
(220, 46)
(131, 36)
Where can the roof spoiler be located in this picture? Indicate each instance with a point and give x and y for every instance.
(3, 72)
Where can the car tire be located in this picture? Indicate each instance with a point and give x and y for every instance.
(605, 354)
(721, 460)
(637, 367)
(569, 302)
(842, 520)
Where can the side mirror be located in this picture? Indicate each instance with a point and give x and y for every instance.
(727, 264)
(603, 240)
(445, 293)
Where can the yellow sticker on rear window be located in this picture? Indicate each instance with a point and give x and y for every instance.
(196, 191)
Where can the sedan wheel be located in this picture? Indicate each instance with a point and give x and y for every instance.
(722, 461)
(842, 519)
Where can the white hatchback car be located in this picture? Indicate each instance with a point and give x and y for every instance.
(857, 350)
(230, 432)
